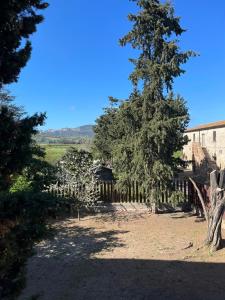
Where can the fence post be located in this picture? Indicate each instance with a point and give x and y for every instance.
(137, 194)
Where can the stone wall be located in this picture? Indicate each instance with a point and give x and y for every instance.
(213, 140)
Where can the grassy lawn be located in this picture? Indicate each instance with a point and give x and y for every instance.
(55, 151)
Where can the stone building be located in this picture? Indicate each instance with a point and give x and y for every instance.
(206, 145)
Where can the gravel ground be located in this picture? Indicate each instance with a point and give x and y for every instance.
(126, 255)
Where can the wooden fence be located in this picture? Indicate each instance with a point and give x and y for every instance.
(109, 192)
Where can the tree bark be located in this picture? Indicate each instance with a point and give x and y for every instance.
(214, 214)
(201, 199)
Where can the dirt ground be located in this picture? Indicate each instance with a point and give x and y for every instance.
(126, 255)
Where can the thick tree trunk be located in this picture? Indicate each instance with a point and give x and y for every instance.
(214, 214)
(216, 210)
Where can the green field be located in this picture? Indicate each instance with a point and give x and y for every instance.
(55, 151)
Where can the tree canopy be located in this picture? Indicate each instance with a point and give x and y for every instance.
(17, 147)
(74, 166)
(18, 20)
(141, 134)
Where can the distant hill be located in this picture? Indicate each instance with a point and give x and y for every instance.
(66, 135)
(82, 131)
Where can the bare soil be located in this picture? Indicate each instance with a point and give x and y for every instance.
(126, 255)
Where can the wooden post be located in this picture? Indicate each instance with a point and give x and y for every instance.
(105, 191)
(133, 194)
(185, 190)
(129, 192)
(137, 192)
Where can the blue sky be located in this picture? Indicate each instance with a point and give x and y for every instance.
(77, 63)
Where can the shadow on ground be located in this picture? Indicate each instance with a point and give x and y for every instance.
(114, 216)
(75, 242)
(116, 212)
(146, 279)
(131, 279)
(66, 268)
(182, 215)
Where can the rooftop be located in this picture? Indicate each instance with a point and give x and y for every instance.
(207, 126)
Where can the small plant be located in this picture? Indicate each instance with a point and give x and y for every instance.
(176, 198)
(21, 184)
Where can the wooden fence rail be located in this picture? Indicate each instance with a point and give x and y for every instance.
(109, 192)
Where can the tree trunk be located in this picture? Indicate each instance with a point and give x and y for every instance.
(216, 210)
(214, 214)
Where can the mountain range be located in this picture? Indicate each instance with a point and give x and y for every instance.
(78, 132)
(79, 135)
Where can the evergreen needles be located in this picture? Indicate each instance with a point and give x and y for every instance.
(140, 135)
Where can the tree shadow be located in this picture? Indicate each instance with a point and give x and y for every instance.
(115, 212)
(131, 279)
(200, 220)
(72, 266)
(78, 242)
(114, 216)
(182, 215)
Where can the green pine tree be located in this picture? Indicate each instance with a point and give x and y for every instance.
(148, 128)
(17, 147)
(18, 20)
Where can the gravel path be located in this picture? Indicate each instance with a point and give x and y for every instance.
(126, 256)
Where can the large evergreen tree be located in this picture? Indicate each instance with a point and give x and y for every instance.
(105, 134)
(18, 20)
(17, 147)
(148, 128)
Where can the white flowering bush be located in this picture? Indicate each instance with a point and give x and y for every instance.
(74, 170)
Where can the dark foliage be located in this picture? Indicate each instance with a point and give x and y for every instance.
(18, 20)
(23, 220)
(23, 208)
(17, 147)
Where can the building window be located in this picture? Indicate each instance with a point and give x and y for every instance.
(194, 137)
(214, 136)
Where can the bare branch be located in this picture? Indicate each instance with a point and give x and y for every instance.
(201, 199)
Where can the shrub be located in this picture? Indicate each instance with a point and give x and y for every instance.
(176, 198)
(23, 218)
(21, 184)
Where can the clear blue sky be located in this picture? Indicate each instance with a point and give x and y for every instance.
(77, 63)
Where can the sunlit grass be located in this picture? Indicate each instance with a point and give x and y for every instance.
(55, 151)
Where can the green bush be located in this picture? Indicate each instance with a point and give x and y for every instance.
(41, 173)
(176, 198)
(28, 212)
(25, 210)
(21, 184)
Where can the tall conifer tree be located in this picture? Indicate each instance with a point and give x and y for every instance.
(18, 20)
(149, 127)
